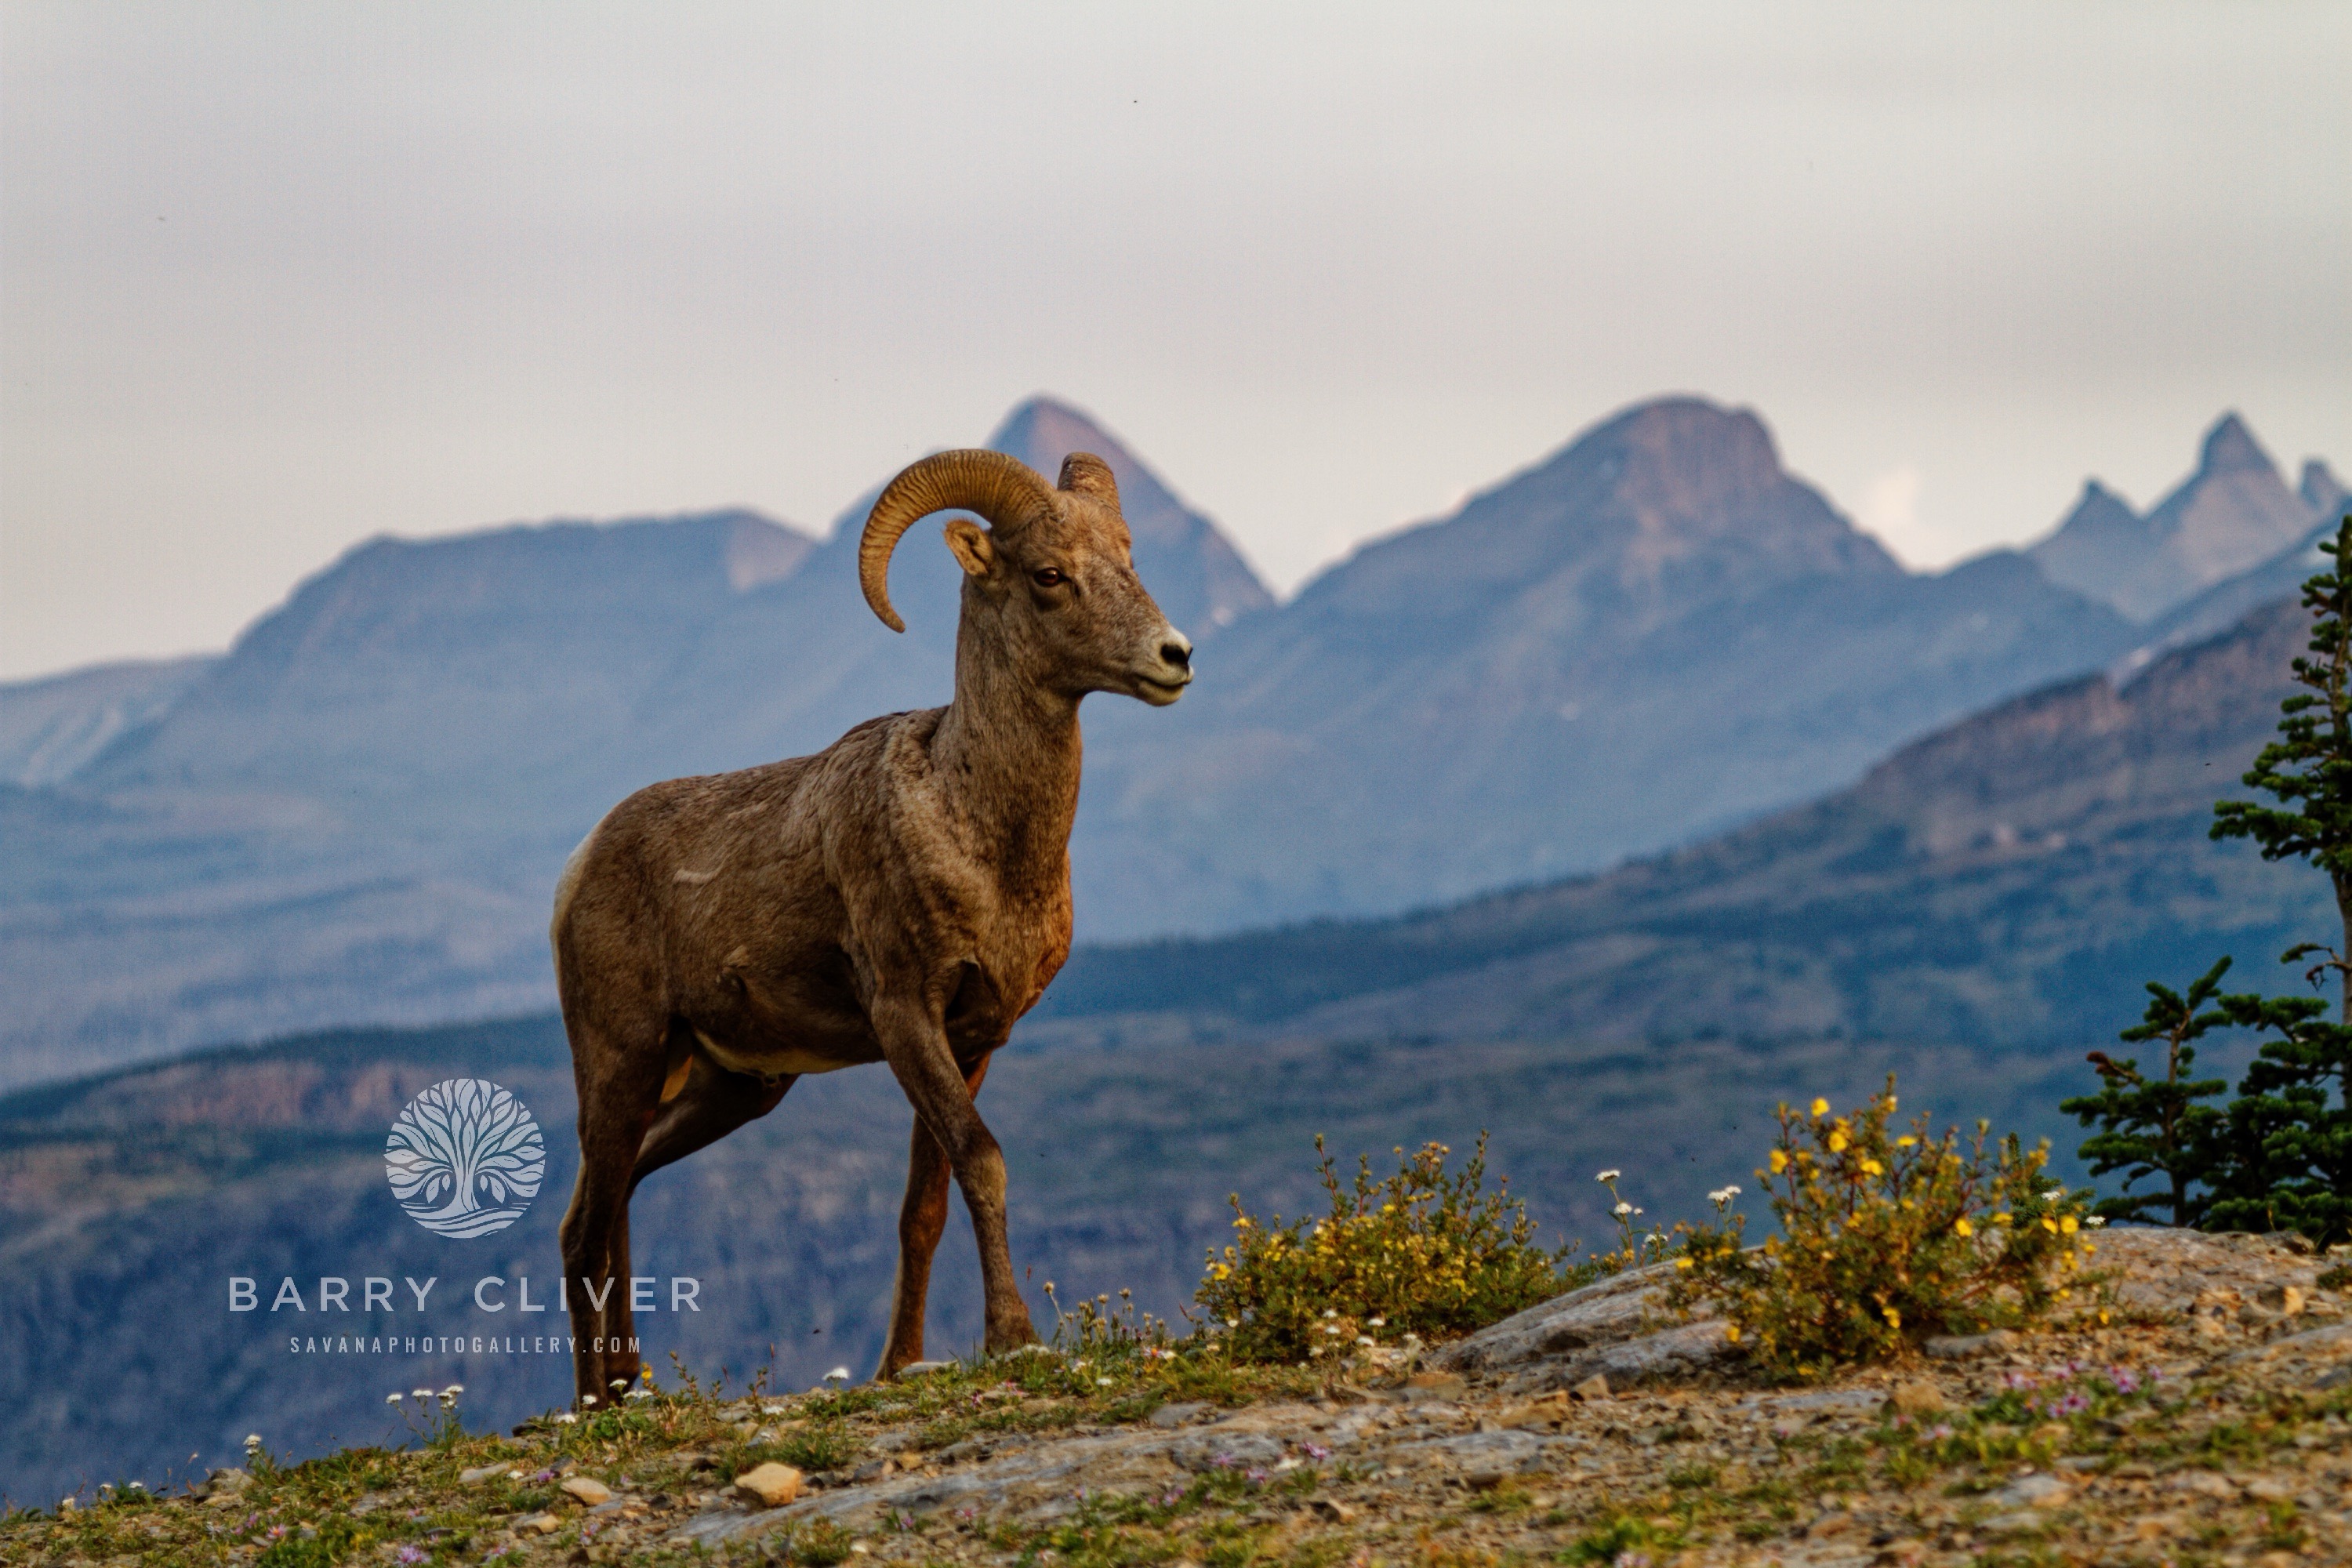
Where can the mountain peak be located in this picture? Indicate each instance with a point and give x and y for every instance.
(2322, 491)
(2231, 447)
(2231, 515)
(1691, 455)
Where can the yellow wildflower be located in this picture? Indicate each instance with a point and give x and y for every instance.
(1681, 1262)
(2068, 1224)
(1873, 1168)
(1962, 1227)
(1820, 1107)
(1780, 1162)
(1904, 1141)
(1894, 1318)
(1838, 1141)
(2050, 1224)
(1731, 1333)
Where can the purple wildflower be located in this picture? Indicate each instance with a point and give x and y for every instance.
(1316, 1450)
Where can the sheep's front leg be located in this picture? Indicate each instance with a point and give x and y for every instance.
(921, 1218)
(915, 1044)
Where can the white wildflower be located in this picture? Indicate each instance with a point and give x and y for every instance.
(567, 1419)
(2096, 1220)
(1378, 1322)
(838, 1374)
(391, 1398)
(1608, 1175)
(1623, 1209)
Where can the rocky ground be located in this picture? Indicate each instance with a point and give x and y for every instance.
(2200, 1412)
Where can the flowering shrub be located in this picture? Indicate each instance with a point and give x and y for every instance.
(1885, 1238)
(1421, 1254)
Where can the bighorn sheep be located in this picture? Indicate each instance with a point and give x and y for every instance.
(901, 897)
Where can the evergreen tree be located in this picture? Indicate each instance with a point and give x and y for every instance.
(2156, 1126)
(2279, 1157)
(2309, 768)
(2288, 1146)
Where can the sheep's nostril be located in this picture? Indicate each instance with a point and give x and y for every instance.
(1177, 654)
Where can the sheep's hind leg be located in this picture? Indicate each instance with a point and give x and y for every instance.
(921, 1220)
(619, 1091)
(712, 1104)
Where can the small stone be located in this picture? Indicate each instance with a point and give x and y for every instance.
(1959, 1347)
(771, 1485)
(481, 1473)
(1484, 1479)
(924, 1368)
(2031, 1491)
(1593, 1387)
(1919, 1398)
(1335, 1511)
(2205, 1483)
(587, 1489)
(539, 1523)
(228, 1479)
(1434, 1386)
(2010, 1523)
(2287, 1301)
(2270, 1489)
(1168, 1415)
(1833, 1523)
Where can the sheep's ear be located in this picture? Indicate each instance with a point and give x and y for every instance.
(970, 545)
(1085, 474)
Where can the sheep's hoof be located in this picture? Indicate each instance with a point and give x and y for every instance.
(1011, 1337)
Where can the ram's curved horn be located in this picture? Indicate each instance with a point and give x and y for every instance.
(1088, 475)
(1005, 490)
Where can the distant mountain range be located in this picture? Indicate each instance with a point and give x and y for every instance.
(356, 813)
(2231, 516)
(2011, 882)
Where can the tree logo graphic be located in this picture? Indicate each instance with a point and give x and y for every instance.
(465, 1158)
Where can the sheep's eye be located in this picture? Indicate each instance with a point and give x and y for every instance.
(1046, 576)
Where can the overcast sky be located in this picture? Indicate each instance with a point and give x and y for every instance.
(276, 278)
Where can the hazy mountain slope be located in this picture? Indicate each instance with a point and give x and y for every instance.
(52, 727)
(2008, 880)
(493, 669)
(2280, 577)
(2234, 512)
(357, 815)
(358, 812)
(126, 1204)
(1655, 632)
